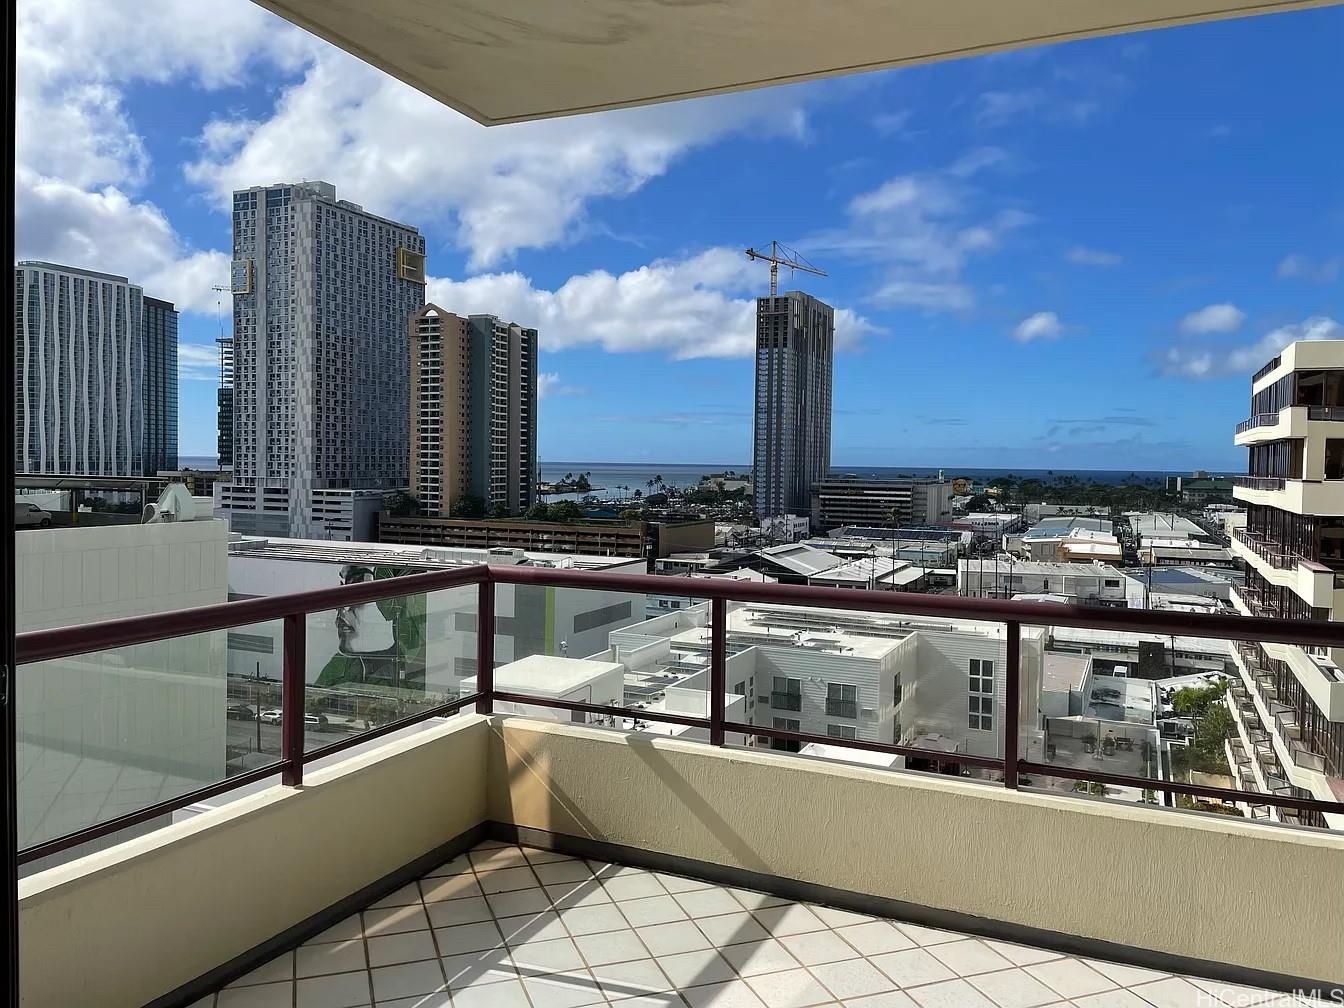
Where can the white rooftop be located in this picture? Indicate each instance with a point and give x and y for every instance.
(548, 675)
(800, 559)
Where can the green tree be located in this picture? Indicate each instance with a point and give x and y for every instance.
(1195, 701)
(467, 506)
(400, 504)
(496, 510)
(980, 502)
(540, 511)
(630, 514)
(564, 511)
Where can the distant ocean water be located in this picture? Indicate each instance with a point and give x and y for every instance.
(637, 474)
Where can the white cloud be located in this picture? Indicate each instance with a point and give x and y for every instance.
(1219, 362)
(197, 362)
(549, 383)
(1084, 256)
(1214, 318)
(78, 158)
(683, 308)
(922, 229)
(1300, 267)
(402, 154)
(1043, 325)
(106, 230)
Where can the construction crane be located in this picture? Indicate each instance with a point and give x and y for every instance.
(225, 343)
(789, 258)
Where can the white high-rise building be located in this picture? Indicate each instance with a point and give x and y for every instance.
(322, 295)
(95, 374)
(795, 335)
(1288, 704)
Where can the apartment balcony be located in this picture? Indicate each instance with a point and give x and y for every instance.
(459, 856)
(1290, 422)
(1300, 496)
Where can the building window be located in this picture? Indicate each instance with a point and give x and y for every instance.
(843, 731)
(787, 694)
(842, 700)
(599, 617)
(786, 745)
(981, 702)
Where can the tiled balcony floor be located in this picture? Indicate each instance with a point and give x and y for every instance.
(510, 927)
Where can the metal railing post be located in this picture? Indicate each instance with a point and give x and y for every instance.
(485, 646)
(293, 673)
(718, 667)
(1012, 706)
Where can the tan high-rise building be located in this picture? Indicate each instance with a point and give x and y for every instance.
(473, 412)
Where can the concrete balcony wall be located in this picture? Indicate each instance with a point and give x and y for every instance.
(129, 924)
(1291, 422)
(119, 928)
(1098, 870)
(1304, 497)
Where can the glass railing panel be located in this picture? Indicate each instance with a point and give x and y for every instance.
(376, 663)
(113, 732)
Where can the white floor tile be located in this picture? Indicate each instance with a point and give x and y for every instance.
(408, 979)
(449, 887)
(563, 990)
(593, 919)
(707, 902)
(912, 967)
(1232, 994)
(578, 894)
(537, 856)
(272, 995)
(887, 999)
(407, 895)
(950, 994)
(555, 872)
(629, 887)
(340, 990)
(669, 939)
(395, 920)
(1021, 955)
(1114, 999)
(279, 968)
(331, 957)
(925, 936)
(457, 866)
(792, 918)
(506, 880)
(1070, 978)
(442, 1000)
(399, 948)
(508, 994)
(1127, 976)
(851, 979)
(531, 927)
(1172, 993)
(680, 884)
(839, 918)
(732, 929)
(522, 901)
(817, 947)
(467, 938)
(733, 994)
(351, 927)
(754, 958)
(1014, 988)
(670, 999)
(611, 947)
(478, 968)
(652, 910)
(967, 958)
(752, 900)
(693, 969)
(496, 858)
(631, 979)
(450, 913)
(554, 956)
(790, 989)
(875, 938)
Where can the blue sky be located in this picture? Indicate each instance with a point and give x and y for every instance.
(1065, 257)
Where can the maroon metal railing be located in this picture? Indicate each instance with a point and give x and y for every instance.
(63, 642)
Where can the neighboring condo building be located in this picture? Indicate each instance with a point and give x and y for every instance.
(96, 374)
(224, 404)
(1288, 705)
(473, 412)
(849, 500)
(322, 294)
(795, 335)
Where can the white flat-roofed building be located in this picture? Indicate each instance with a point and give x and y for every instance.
(577, 680)
(989, 523)
(1084, 583)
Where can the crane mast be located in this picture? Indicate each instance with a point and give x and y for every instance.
(789, 258)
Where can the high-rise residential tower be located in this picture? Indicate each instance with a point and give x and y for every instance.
(1288, 702)
(224, 404)
(473, 412)
(95, 374)
(160, 385)
(322, 293)
(795, 335)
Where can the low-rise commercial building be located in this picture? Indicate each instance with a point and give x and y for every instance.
(594, 537)
(1067, 538)
(838, 501)
(988, 523)
(1079, 583)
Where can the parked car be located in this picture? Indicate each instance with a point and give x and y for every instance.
(28, 515)
(318, 721)
(271, 716)
(240, 712)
